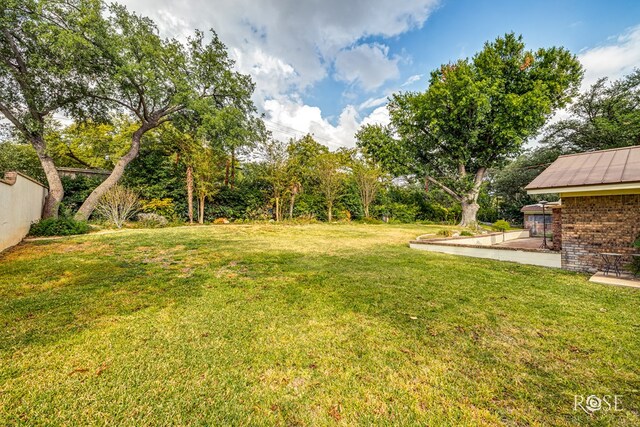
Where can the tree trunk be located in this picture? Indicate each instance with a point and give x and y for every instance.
(190, 192)
(329, 211)
(56, 191)
(91, 202)
(470, 202)
(233, 168)
(291, 204)
(226, 173)
(469, 213)
(366, 211)
(201, 209)
(277, 209)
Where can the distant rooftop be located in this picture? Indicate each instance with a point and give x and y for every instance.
(537, 208)
(605, 167)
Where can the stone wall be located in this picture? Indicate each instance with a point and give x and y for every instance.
(556, 228)
(595, 224)
(21, 202)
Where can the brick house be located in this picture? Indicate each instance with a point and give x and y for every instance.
(600, 209)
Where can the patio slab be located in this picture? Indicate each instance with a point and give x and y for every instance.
(533, 243)
(625, 279)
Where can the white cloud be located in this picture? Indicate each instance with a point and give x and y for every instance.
(288, 119)
(614, 59)
(372, 102)
(287, 46)
(368, 65)
(304, 35)
(412, 79)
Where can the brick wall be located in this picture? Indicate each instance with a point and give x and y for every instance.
(556, 228)
(591, 225)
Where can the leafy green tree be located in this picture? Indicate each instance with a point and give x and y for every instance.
(48, 60)
(302, 154)
(368, 178)
(156, 81)
(275, 160)
(328, 170)
(477, 113)
(377, 142)
(21, 158)
(90, 144)
(605, 116)
(207, 174)
(507, 184)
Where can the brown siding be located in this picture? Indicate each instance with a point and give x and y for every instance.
(596, 224)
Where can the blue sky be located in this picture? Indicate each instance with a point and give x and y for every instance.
(326, 67)
(458, 29)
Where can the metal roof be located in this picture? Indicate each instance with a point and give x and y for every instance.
(615, 166)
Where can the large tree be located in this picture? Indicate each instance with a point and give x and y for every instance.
(476, 114)
(156, 80)
(48, 61)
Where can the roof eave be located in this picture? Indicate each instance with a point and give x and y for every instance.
(586, 188)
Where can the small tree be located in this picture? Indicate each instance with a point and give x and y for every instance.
(330, 179)
(302, 155)
(206, 175)
(368, 180)
(118, 205)
(275, 160)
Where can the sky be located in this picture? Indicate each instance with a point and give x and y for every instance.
(327, 66)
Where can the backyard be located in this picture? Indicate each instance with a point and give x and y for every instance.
(320, 324)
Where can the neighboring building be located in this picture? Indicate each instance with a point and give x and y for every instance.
(535, 218)
(600, 209)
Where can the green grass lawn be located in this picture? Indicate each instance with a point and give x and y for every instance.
(303, 325)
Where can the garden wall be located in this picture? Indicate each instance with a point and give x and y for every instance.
(21, 202)
(486, 240)
(595, 224)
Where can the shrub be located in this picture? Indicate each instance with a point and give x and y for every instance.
(58, 227)
(221, 221)
(152, 220)
(501, 225)
(467, 233)
(118, 205)
(445, 232)
(162, 207)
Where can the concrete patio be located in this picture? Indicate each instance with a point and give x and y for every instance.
(625, 279)
(511, 246)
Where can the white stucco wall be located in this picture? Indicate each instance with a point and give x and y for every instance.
(487, 240)
(545, 259)
(21, 202)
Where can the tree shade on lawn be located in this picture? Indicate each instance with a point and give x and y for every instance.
(303, 325)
